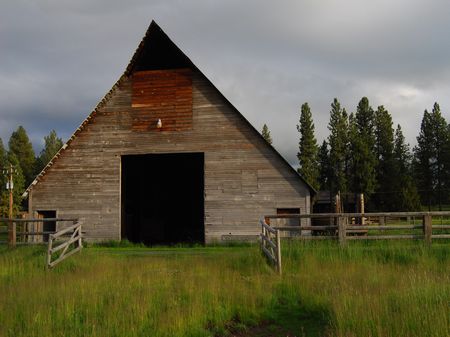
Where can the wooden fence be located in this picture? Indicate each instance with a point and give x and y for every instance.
(22, 231)
(27, 236)
(345, 227)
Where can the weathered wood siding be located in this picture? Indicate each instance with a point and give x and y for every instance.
(244, 178)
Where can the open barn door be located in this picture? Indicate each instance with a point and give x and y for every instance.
(163, 198)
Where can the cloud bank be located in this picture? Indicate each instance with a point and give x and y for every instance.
(58, 58)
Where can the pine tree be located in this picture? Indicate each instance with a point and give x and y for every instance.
(430, 154)
(422, 157)
(441, 141)
(402, 153)
(2, 151)
(362, 143)
(3, 166)
(406, 196)
(20, 146)
(307, 155)
(338, 140)
(52, 145)
(446, 160)
(324, 166)
(384, 149)
(266, 134)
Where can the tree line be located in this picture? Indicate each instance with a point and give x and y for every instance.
(26, 165)
(363, 153)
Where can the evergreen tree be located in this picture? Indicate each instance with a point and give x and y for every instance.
(324, 167)
(20, 146)
(338, 140)
(402, 153)
(52, 145)
(2, 151)
(18, 184)
(422, 157)
(3, 166)
(406, 197)
(362, 143)
(446, 160)
(307, 155)
(266, 134)
(430, 154)
(441, 141)
(384, 149)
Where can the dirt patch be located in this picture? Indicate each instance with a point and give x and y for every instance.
(264, 330)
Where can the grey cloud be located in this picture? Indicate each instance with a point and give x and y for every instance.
(58, 58)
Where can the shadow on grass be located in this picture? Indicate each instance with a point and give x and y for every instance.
(290, 315)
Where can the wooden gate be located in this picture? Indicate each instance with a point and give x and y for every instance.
(65, 249)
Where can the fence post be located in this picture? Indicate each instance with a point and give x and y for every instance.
(263, 236)
(342, 231)
(427, 228)
(79, 243)
(49, 250)
(80, 237)
(277, 234)
(12, 233)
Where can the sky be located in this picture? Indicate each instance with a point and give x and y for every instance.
(58, 58)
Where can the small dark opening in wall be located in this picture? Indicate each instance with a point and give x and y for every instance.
(47, 226)
(284, 211)
(287, 211)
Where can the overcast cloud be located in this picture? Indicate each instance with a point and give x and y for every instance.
(58, 58)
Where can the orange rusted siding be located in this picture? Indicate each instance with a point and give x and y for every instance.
(164, 95)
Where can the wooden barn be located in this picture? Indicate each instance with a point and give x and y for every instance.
(166, 158)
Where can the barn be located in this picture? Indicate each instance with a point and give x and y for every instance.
(165, 158)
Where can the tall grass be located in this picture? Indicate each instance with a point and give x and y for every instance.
(374, 288)
(365, 289)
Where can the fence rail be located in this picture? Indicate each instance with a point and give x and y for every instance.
(353, 226)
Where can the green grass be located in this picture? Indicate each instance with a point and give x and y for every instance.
(3, 232)
(364, 289)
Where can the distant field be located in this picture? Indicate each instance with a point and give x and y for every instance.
(365, 289)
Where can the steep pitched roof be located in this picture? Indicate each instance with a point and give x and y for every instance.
(155, 51)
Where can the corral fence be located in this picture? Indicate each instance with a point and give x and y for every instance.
(345, 227)
(61, 244)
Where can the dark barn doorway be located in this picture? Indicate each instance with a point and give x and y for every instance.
(47, 226)
(163, 198)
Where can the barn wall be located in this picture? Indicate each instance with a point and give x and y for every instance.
(244, 178)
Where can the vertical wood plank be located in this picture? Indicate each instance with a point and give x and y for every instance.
(49, 250)
(342, 231)
(427, 227)
(12, 233)
(277, 234)
(361, 207)
(263, 238)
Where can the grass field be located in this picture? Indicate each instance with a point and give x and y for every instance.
(364, 289)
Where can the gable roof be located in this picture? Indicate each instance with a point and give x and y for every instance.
(155, 51)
